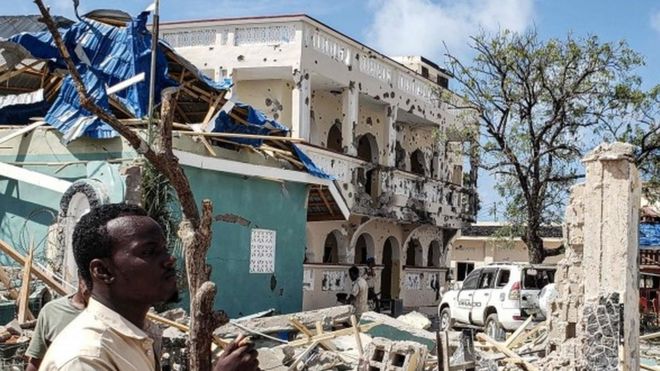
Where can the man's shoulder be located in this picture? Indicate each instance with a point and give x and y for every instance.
(58, 306)
(81, 338)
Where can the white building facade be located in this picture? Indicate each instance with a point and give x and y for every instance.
(374, 123)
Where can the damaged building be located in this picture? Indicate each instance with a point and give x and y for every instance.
(374, 123)
(57, 160)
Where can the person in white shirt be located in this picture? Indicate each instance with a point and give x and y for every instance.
(359, 292)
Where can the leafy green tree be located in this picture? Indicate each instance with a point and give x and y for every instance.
(539, 105)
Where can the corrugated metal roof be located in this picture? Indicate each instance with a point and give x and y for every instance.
(12, 24)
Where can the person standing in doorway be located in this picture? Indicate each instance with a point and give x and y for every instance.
(359, 292)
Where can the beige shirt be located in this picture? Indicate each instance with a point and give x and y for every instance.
(100, 339)
(360, 291)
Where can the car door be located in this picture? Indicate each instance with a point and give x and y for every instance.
(482, 295)
(465, 297)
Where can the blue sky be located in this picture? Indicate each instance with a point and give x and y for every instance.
(424, 27)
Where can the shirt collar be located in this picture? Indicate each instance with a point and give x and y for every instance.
(115, 321)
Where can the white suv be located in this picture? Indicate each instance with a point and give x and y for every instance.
(499, 297)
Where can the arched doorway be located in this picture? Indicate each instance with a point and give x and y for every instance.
(334, 142)
(417, 163)
(414, 254)
(364, 248)
(331, 249)
(368, 151)
(433, 257)
(389, 281)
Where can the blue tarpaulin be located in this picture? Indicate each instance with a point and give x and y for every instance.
(259, 124)
(649, 235)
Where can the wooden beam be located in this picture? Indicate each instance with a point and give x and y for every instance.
(325, 200)
(650, 336)
(8, 75)
(331, 335)
(245, 136)
(20, 132)
(526, 335)
(6, 281)
(514, 336)
(38, 272)
(24, 293)
(305, 331)
(506, 351)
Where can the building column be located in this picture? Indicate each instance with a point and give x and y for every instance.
(389, 154)
(611, 228)
(301, 101)
(350, 99)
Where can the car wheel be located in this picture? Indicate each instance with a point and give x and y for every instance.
(446, 323)
(493, 328)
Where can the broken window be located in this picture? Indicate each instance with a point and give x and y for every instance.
(487, 279)
(503, 278)
(534, 278)
(463, 269)
(425, 72)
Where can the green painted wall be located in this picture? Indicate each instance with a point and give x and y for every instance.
(265, 204)
(27, 210)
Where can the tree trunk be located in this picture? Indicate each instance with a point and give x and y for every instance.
(534, 242)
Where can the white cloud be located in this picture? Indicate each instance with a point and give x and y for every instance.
(419, 27)
(655, 21)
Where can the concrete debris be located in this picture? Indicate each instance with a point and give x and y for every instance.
(383, 354)
(416, 319)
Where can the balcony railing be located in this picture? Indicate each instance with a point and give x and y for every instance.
(649, 257)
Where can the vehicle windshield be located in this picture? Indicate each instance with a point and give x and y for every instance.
(537, 278)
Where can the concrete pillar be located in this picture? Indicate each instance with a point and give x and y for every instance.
(389, 153)
(611, 225)
(301, 101)
(350, 105)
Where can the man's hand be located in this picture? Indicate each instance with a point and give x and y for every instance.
(239, 355)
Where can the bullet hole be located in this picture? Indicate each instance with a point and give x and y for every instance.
(392, 94)
(350, 68)
(377, 97)
(386, 95)
(273, 283)
(377, 120)
(240, 58)
(307, 101)
(265, 59)
(307, 76)
(316, 62)
(276, 116)
(268, 102)
(360, 86)
(407, 101)
(369, 121)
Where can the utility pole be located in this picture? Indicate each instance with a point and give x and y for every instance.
(152, 75)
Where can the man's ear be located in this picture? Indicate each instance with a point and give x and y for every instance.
(101, 271)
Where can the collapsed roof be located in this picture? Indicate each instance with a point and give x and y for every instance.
(113, 55)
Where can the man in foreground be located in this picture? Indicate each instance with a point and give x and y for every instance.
(122, 255)
(359, 292)
(53, 318)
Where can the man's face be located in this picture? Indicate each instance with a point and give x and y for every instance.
(353, 275)
(142, 267)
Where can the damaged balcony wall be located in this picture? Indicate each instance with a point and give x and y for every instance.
(273, 97)
(326, 120)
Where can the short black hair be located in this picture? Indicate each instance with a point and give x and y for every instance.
(354, 271)
(90, 236)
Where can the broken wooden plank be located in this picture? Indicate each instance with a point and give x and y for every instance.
(294, 365)
(24, 293)
(650, 368)
(8, 75)
(305, 331)
(183, 328)
(38, 272)
(650, 336)
(517, 333)
(356, 330)
(506, 351)
(237, 135)
(332, 335)
(22, 131)
(526, 335)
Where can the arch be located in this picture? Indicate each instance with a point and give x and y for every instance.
(414, 253)
(331, 247)
(335, 139)
(434, 254)
(364, 248)
(389, 281)
(400, 156)
(418, 162)
(368, 148)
